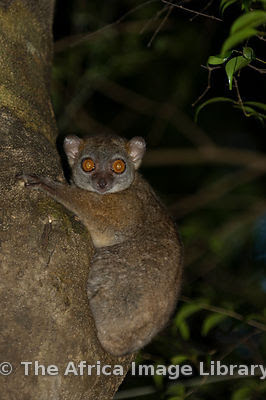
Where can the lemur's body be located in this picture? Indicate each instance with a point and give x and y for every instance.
(135, 273)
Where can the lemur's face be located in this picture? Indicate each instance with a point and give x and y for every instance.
(104, 164)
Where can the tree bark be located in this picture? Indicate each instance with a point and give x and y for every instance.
(45, 251)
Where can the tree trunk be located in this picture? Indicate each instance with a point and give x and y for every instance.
(45, 251)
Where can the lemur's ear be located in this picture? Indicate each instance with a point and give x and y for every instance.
(72, 146)
(136, 149)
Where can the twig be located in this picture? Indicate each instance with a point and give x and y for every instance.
(150, 107)
(82, 94)
(241, 221)
(203, 9)
(239, 343)
(214, 155)
(170, 8)
(153, 19)
(88, 124)
(157, 129)
(69, 42)
(210, 69)
(206, 195)
(192, 11)
(122, 121)
(260, 60)
(206, 89)
(244, 219)
(240, 99)
(228, 313)
(135, 392)
(261, 38)
(261, 71)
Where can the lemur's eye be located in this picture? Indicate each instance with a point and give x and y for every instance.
(88, 165)
(118, 166)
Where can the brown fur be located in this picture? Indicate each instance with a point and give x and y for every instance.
(135, 274)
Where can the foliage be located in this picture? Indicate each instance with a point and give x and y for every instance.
(232, 58)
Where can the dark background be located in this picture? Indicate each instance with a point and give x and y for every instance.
(140, 78)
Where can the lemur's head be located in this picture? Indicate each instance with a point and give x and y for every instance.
(104, 163)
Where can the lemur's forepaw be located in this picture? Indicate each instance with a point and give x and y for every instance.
(29, 180)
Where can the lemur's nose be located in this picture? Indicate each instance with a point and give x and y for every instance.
(102, 183)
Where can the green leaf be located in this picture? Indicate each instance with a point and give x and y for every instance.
(246, 5)
(210, 322)
(242, 394)
(263, 3)
(237, 38)
(248, 53)
(250, 20)
(213, 100)
(234, 65)
(262, 106)
(185, 311)
(177, 389)
(184, 330)
(175, 398)
(256, 316)
(216, 60)
(179, 359)
(250, 112)
(158, 381)
(226, 3)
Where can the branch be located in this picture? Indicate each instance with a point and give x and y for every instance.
(205, 155)
(228, 313)
(157, 30)
(260, 70)
(198, 13)
(210, 69)
(150, 107)
(213, 192)
(153, 19)
(203, 9)
(72, 41)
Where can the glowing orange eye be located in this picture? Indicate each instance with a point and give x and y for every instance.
(88, 165)
(119, 166)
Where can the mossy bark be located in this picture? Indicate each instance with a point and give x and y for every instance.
(44, 251)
